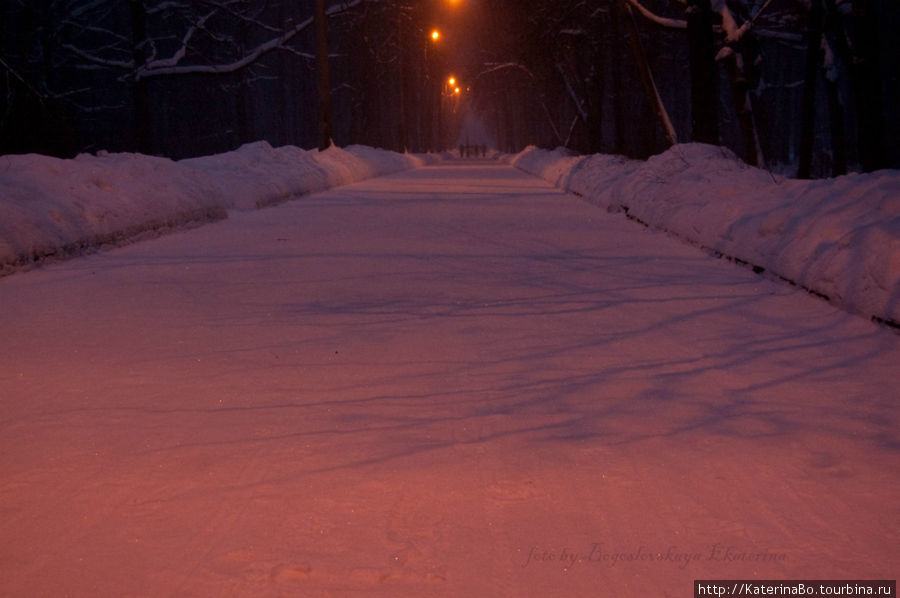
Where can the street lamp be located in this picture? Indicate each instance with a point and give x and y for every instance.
(432, 91)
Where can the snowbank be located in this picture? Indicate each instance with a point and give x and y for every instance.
(54, 208)
(258, 175)
(838, 238)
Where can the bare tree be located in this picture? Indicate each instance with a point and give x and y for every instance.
(116, 50)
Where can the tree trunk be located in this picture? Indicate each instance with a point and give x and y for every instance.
(866, 77)
(836, 121)
(701, 52)
(402, 98)
(836, 110)
(595, 85)
(808, 115)
(743, 108)
(620, 145)
(647, 76)
(324, 80)
(140, 89)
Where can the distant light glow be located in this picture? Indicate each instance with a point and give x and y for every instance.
(452, 81)
(435, 35)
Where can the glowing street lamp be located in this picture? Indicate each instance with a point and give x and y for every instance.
(433, 91)
(451, 81)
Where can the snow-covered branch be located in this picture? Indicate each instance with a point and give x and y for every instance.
(87, 7)
(172, 65)
(21, 79)
(732, 32)
(98, 60)
(182, 51)
(166, 67)
(655, 18)
(342, 7)
(507, 65)
(162, 7)
(579, 102)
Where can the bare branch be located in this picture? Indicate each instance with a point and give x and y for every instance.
(97, 60)
(172, 66)
(661, 21)
(507, 65)
(15, 74)
(167, 67)
(579, 103)
(180, 53)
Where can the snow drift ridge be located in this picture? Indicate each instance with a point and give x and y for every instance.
(838, 238)
(52, 208)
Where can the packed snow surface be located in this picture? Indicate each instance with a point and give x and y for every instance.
(453, 381)
(837, 237)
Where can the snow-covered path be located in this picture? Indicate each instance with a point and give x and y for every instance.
(453, 381)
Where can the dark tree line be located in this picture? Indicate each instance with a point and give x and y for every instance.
(183, 78)
(168, 77)
(806, 84)
(810, 85)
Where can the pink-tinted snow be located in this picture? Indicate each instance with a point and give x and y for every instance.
(453, 381)
(838, 237)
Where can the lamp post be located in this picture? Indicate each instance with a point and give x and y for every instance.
(451, 95)
(432, 93)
